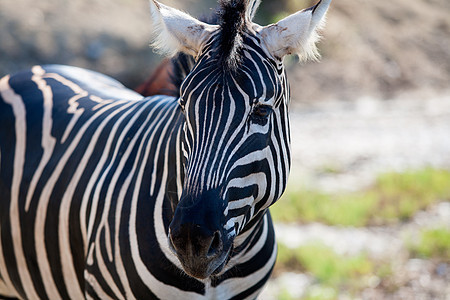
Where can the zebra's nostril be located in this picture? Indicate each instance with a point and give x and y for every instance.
(215, 245)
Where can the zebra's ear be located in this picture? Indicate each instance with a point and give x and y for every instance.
(297, 33)
(175, 31)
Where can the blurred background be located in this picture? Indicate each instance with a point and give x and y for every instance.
(367, 211)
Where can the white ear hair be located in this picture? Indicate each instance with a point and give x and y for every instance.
(297, 33)
(176, 31)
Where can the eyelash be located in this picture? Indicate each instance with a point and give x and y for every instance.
(261, 111)
(260, 114)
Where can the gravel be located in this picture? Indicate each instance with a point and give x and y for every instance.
(340, 146)
(358, 140)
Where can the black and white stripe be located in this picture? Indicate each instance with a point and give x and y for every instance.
(105, 194)
(84, 174)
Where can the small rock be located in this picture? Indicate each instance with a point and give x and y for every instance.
(442, 269)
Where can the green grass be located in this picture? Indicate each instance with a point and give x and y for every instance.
(312, 206)
(332, 272)
(432, 243)
(393, 197)
(323, 263)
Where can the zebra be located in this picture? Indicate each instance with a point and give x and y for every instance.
(105, 194)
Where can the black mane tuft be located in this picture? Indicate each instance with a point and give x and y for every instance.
(231, 18)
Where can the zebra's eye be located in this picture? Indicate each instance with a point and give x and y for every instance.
(260, 114)
(262, 111)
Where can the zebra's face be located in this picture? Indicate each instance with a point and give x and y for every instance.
(236, 149)
(235, 139)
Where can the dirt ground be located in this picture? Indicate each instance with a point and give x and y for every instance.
(359, 140)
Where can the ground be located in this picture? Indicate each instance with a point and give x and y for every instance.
(342, 148)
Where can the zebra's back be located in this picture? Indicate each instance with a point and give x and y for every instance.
(72, 142)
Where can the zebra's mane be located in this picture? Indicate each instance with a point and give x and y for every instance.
(230, 16)
(182, 65)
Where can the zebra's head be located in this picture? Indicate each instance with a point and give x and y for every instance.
(235, 140)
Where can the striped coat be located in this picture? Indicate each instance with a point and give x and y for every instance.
(105, 194)
(78, 167)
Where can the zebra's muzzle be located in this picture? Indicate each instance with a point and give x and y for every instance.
(201, 253)
(197, 236)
